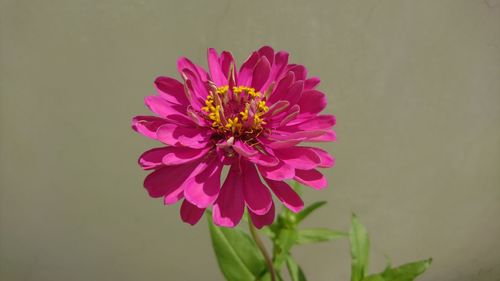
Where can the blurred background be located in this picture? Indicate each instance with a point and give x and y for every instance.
(415, 86)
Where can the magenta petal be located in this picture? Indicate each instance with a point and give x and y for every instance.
(299, 70)
(257, 195)
(162, 107)
(171, 90)
(190, 213)
(229, 207)
(262, 159)
(279, 172)
(147, 125)
(167, 180)
(319, 122)
(311, 83)
(197, 86)
(302, 158)
(286, 195)
(175, 155)
(281, 89)
(329, 136)
(260, 74)
(327, 160)
(226, 61)
(173, 134)
(312, 102)
(151, 159)
(295, 92)
(246, 70)
(216, 73)
(262, 220)
(202, 190)
(244, 149)
(268, 53)
(173, 197)
(184, 63)
(312, 178)
(279, 65)
(277, 108)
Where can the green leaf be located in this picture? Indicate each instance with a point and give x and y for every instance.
(315, 235)
(406, 272)
(238, 257)
(308, 210)
(374, 277)
(360, 249)
(297, 187)
(283, 244)
(294, 270)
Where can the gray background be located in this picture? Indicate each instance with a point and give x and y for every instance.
(415, 86)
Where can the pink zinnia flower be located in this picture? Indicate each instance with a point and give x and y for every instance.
(253, 120)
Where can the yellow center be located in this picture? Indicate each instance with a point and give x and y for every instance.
(235, 111)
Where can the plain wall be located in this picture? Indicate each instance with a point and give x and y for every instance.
(415, 86)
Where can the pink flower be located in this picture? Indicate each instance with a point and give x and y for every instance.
(252, 120)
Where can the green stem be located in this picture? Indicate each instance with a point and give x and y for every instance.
(262, 248)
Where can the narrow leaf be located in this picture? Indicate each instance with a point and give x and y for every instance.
(374, 277)
(360, 249)
(283, 244)
(238, 257)
(294, 270)
(406, 272)
(315, 235)
(308, 210)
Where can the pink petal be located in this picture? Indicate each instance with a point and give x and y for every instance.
(299, 70)
(312, 178)
(260, 74)
(246, 70)
(262, 220)
(162, 107)
(202, 190)
(264, 159)
(281, 89)
(190, 213)
(257, 195)
(298, 157)
(279, 172)
(329, 136)
(230, 205)
(327, 161)
(147, 125)
(312, 102)
(244, 149)
(226, 60)
(277, 108)
(268, 53)
(290, 115)
(295, 92)
(171, 90)
(151, 159)
(286, 195)
(185, 63)
(176, 155)
(167, 180)
(279, 65)
(173, 197)
(319, 122)
(311, 83)
(216, 73)
(173, 134)
(196, 86)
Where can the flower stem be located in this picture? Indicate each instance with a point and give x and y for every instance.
(262, 248)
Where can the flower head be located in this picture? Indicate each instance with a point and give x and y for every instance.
(254, 120)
